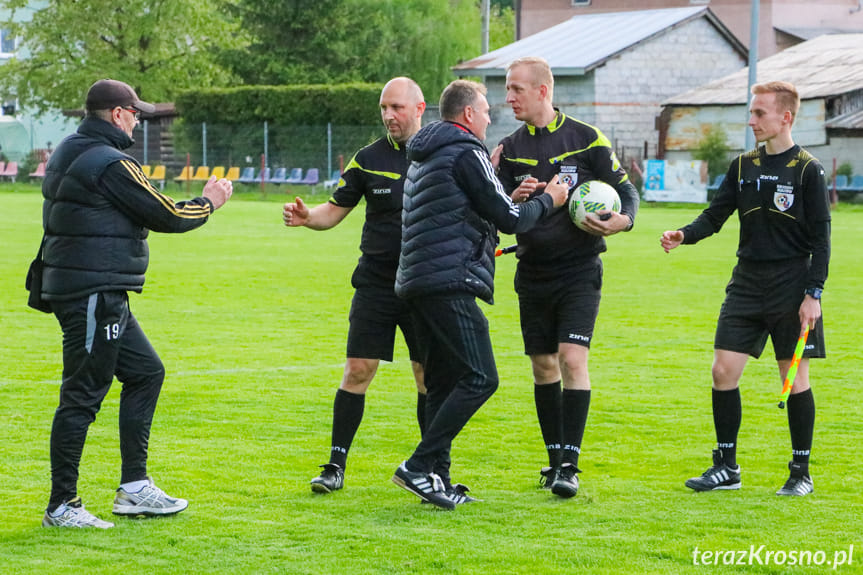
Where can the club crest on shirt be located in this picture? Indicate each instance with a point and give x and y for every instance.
(783, 200)
(568, 176)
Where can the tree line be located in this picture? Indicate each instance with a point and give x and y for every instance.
(164, 47)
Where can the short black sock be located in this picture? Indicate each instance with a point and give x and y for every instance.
(801, 422)
(547, 400)
(347, 414)
(727, 413)
(576, 404)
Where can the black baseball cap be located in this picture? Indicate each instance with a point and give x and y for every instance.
(107, 94)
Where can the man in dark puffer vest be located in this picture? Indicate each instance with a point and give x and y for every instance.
(97, 211)
(453, 203)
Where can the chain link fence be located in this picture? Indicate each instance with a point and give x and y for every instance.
(265, 151)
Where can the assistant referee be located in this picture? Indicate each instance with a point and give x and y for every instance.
(780, 196)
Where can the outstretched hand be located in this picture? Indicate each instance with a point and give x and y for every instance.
(218, 191)
(295, 213)
(671, 239)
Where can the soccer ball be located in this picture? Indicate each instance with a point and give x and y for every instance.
(592, 196)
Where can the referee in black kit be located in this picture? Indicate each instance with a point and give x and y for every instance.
(376, 174)
(452, 203)
(781, 199)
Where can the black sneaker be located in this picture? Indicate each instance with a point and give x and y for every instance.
(800, 483)
(459, 494)
(566, 482)
(547, 475)
(332, 478)
(720, 476)
(426, 486)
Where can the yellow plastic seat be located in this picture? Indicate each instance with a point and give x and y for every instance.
(185, 174)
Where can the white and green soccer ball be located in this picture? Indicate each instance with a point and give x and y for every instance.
(590, 197)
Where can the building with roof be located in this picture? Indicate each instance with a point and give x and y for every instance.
(615, 70)
(828, 74)
(782, 23)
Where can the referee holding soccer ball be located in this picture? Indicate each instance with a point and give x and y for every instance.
(781, 198)
(559, 274)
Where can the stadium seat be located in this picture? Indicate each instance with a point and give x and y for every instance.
(311, 177)
(10, 171)
(202, 174)
(248, 176)
(157, 175)
(146, 169)
(334, 179)
(234, 173)
(296, 176)
(279, 176)
(841, 181)
(185, 174)
(856, 184)
(40, 171)
(218, 172)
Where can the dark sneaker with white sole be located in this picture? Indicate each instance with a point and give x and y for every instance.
(459, 494)
(547, 475)
(426, 486)
(799, 483)
(566, 483)
(332, 478)
(719, 476)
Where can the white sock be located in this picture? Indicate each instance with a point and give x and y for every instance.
(134, 486)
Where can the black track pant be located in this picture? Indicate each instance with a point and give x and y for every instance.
(101, 339)
(460, 373)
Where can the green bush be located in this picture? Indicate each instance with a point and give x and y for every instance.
(845, 169)
(713, 149)
(344, 104)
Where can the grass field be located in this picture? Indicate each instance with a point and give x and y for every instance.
(250, 319)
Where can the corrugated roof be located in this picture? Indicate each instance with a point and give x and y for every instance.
(586, 41)
(850, 121)
(825, 66)
(814, 32)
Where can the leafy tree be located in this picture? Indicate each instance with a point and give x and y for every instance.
(301, 42)
(713, 148)
(159, 47)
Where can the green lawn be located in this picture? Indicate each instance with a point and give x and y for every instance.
(250, 319)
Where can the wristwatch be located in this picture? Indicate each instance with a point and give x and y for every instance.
(814, 293)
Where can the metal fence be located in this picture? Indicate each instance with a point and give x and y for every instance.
(176, 144)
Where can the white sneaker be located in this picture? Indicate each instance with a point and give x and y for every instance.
(150, 500)
(73, 514)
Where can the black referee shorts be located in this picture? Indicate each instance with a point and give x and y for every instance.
(763, 298)
(375, 314)
(559, 308)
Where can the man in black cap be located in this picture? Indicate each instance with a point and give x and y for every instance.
(97, 213)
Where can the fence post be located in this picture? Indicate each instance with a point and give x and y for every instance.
(204, 144)
(146, 140)
(329, 149)
(188, 173)
(263, 166)
(266, 156)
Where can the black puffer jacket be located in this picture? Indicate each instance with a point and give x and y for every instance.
(97, 211)
(453, 203)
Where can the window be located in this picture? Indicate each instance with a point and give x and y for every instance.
(580, 3)
(7, 42)
(699, 1)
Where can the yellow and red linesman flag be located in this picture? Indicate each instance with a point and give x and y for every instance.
(792, 369)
